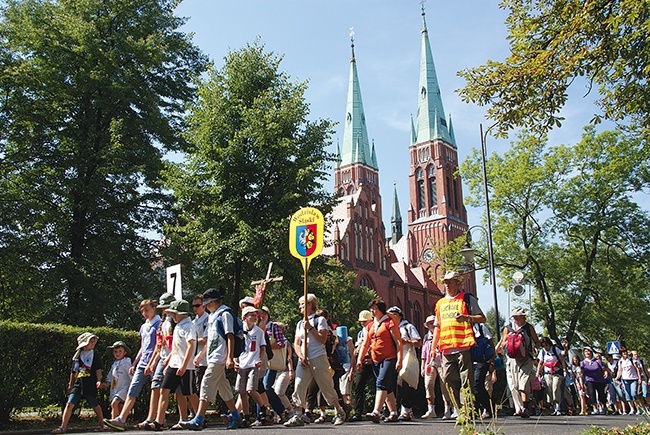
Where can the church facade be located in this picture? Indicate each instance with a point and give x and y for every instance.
(402, 268)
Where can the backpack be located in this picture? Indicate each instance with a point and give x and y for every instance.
(518, 342)
(238, 329)
(483, 350)
(269, 351)
(555, 366)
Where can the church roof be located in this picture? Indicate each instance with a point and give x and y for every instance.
(431, 122)
(356, 146)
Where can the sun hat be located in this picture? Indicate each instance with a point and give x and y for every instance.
(266, 310)
(365, 315)
(180, 307)
(121, 344)
(248, 300)
(453, 274)
(395, 310)
(430, 319)
(165, 300)
(84, 339)
(518, 311)
(248, 310)
(211, 295)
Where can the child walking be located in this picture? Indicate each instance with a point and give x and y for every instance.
(119, 378)
(250, 362)
(179, 368)
(85, 379)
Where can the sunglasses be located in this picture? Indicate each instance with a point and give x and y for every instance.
(197, 305)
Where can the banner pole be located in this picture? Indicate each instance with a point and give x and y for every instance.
(306, 317)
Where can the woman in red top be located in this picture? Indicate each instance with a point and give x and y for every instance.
(383, 339)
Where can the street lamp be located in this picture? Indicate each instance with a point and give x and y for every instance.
(468, 252)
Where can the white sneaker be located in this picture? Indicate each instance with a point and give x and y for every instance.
(447, 414)
(631, 412)
(430, 414)
(454, 414)
(294, 421)
(638, 411)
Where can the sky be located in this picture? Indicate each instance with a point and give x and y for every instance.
(314, 39)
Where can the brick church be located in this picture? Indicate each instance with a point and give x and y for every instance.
(402, 268)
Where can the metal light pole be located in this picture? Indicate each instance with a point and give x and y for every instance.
(489, 234)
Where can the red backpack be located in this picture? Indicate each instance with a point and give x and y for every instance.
(518, 345)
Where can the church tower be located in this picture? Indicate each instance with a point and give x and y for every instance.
(359, 236)
(436, 212)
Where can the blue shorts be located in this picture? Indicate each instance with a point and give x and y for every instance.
(74, 398)
(158, 375)
(386, 375)
(138, 382)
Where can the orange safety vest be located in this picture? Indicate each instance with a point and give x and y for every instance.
(453, 334)
(382, 345)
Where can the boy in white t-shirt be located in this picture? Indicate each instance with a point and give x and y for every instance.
(250, 361)
(179, 368)
(119, 378)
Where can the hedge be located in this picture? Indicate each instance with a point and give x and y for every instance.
(37, 360)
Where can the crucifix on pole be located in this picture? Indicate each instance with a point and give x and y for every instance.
(260, 286)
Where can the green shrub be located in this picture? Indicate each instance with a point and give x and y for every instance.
(38, 360)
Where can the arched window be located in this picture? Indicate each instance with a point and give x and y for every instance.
(366, 282)
(421, 197)
(433, 193)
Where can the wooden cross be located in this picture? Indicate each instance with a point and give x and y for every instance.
(260, 286)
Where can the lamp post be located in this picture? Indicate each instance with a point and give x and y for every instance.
(468, 251)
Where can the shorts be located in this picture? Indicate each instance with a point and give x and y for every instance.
(74, 398)
(119, 395)
(215, 381)
(158, 374)
(247, 380)
(171, 381)
(345, 385)
(386, 375)
(138, 382)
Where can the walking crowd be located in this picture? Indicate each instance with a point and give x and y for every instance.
(457, 358)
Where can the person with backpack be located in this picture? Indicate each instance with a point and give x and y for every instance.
(225, 333)
(595, 378)
(453, 336)
(517, 339)
(277, 343)
(553, 366)
(409, 377)
(313, 365)
(483, 357)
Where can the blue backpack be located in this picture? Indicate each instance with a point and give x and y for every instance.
(238, 329)
(483, 350)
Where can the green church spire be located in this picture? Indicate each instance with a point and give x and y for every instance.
(431, 122)
(356, 146)
(396, 218)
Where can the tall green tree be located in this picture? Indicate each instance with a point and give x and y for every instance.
(556, 43)
(93, 95)
(567, 217)
(254, 160)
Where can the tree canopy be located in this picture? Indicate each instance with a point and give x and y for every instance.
(254, 159)
(93, 93)
(554, 43)
(567, 217)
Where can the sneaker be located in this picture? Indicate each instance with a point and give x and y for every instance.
(191, 425)
(234, 423)
(447, 414)
(294, 421)
(339, 419)
(555, 413)
(116, 423)
(59, 430)
(430, 414)
(321, 419)
(454, 414)
(486, 415)
(306, 417)
(525, 414)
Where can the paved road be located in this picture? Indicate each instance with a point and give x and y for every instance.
(546, 425)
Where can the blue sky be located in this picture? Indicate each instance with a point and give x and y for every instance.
(313, 36)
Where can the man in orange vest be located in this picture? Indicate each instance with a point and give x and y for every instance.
(453, 335)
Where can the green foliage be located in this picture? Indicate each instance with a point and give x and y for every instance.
(36, 370)
(253, 161)
(566, 216)
(448, 256)
(637, 429)
(556, 42)
(94, 91)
